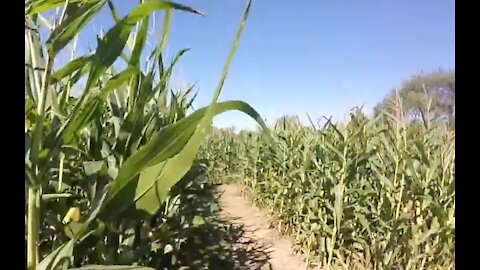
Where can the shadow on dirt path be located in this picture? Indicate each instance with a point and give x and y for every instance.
(257, 245)
(214, 227)
(205, 238)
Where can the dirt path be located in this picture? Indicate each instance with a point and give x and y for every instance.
(259, 246)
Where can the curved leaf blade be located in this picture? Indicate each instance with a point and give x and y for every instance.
(152, 189)
(168, 142)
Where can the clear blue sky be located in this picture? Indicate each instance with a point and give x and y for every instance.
(296, 57)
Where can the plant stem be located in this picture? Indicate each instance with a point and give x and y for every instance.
(34, 194)
(32, 229)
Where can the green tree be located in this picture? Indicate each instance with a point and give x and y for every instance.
(425, 95)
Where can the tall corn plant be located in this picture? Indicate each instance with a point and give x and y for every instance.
(120, 139)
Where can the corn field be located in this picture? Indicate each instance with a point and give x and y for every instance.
(368, 194)
(123, 175)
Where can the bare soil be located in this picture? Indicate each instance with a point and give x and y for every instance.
(260, 246)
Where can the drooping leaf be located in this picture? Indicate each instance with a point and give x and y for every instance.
(167, 143)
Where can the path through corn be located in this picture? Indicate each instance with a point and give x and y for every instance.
(259, 245)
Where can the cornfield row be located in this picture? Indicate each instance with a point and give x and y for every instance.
(372, 193)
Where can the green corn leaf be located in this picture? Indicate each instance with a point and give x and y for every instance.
(77, 16)
(157, 52)
(62, 255)
(71, 67)
(40, 6)
(92, 167)
(93, 107)
(363, 221)
(168, 142)
(91, 111)
(182, 139)
(116, 81)
(140, 40)
(114, 12)
(342, 137)
(423, 154)
(382, 177)
(328, 146)
(112, 45)
(152, 189)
